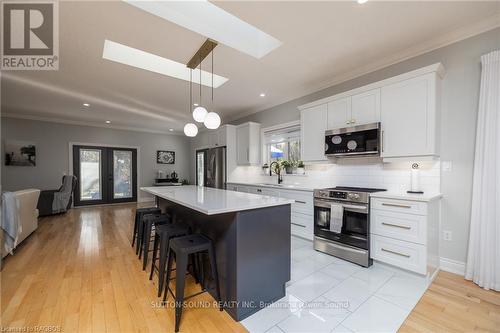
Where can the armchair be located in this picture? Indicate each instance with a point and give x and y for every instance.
(57, 201)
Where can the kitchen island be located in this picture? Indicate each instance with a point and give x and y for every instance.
(251, 234)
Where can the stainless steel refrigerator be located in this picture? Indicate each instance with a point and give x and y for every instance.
(211, 167)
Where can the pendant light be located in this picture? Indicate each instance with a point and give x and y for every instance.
(212, 119)
(199, 113)
(190, 129)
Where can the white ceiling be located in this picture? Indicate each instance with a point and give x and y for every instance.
(323, 43)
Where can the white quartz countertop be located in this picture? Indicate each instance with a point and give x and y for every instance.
(277, 186)
(426, 196)
(212, 201)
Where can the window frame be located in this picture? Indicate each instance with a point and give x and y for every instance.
(277, 128)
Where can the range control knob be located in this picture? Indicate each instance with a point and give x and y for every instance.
(353, 196)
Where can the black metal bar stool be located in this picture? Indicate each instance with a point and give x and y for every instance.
(148, 222)
(163, 234)
(183, 247)
(139, 214)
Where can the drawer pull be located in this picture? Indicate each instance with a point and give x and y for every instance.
(395, 205)
(298, 225)
(397, 226)
(302, 202)
(396, 253)
(259, 190)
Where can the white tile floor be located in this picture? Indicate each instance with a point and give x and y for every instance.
(327, 294)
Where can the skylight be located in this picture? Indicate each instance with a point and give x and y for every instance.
(137, 58)
(213, 22)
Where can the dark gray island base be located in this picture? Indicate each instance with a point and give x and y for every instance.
(252, 250)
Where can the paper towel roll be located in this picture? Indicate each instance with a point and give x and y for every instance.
(415, 187)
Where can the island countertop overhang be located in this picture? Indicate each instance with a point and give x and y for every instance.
(211, 201)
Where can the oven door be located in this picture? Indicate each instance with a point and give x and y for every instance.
(355, 223)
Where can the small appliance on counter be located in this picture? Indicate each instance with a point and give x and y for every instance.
(342, 223)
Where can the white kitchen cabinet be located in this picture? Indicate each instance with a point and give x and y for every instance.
(405, 233)
(339, 113)
(359, 109)
(302, 210)
(248, 144)
(313, 124)
(409, 115)
(365, 108)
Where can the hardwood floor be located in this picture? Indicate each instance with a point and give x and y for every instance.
(78, 272)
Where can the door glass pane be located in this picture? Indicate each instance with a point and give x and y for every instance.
(200, 169)
(122, 174)
(90, 174)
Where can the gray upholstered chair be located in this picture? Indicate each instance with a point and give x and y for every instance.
(57, 201)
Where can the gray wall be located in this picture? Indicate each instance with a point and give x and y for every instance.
(458, 124)
(52, 149)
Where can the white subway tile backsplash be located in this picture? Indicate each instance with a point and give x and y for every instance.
(391, 176)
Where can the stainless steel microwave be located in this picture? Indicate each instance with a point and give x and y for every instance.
(353, 141)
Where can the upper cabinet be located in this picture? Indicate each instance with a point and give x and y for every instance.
(354, 110)
(409, 114)
(313, 124)
(211, 138)
(407, 106)
(248, 144)
(339, 113)
(365, 108)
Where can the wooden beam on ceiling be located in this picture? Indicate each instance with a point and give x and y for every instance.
(202, 53)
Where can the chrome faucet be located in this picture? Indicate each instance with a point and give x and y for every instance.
(278, 171)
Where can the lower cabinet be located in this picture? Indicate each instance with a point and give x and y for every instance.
(404, 233)
(302, 220)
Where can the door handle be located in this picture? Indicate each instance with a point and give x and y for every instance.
(395, 205)
(382, 142)
(299, 201)
(396, 253)
(397, 226)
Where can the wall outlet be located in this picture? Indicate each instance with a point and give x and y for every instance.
(447, 235)
(446, 166)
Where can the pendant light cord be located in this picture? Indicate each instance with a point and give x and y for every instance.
(190, 90)
(212, 78)
(200, 80)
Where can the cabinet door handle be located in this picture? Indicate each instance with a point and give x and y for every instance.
(395, 205)
(397, 226)
(396, 253)
(353, 121)
(248, 154)
(347, 122)
(299, 201)
(298, 225)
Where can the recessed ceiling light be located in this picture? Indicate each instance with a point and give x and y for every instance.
(108, 121)
(137, 58)
(195, 104)
(262, 95)
(362, 1)
(171, 129)
(86, 104)
(208, 20)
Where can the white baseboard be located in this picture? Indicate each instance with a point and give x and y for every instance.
(452, 266)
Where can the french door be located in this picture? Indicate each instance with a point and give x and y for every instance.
(104, 175)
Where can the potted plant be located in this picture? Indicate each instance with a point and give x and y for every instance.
(288, 166)
(301, 168)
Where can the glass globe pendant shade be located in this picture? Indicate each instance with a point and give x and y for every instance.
(212, 120)
(199, 114)
(190, 130)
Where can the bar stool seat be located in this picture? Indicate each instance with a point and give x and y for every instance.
(183, 247)
(148, 222)
(163, 234)
(139, 214)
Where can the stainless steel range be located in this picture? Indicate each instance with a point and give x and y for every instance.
(342, 223)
